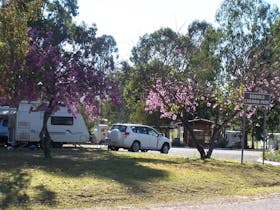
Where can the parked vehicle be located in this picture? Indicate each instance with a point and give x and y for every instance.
(135, 137)
(5, 113)
(233, 139)
(100, 133)
(4, 133)
(62, 126)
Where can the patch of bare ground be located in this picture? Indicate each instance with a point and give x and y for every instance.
(219, 203)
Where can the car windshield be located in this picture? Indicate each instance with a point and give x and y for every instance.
(121, 128)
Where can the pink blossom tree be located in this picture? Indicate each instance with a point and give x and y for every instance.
(187, 95)
(53, 75)
(186, 100)
(225, 63)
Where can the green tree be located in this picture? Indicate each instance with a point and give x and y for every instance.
(57, 16)
(155, 54)
(245, 25)
(101, 51)
(270, 56)
(15, 16)
(246, 28)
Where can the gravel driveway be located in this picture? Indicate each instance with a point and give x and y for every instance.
(266, 202)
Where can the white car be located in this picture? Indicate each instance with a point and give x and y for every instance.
(135, 137)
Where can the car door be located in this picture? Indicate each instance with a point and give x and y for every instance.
(152, 137)
(142, 136)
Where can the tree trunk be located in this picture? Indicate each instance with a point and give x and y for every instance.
(201, 151)
(211, 146)
(212, 142)
(253, 145)
(198, 146)
(45, 139)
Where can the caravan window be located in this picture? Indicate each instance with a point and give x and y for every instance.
(62, 120)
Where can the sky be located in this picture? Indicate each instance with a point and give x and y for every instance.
(128, 20)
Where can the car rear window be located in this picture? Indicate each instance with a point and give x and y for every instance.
(121, 128)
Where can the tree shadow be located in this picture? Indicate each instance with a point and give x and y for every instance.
(45, 196)
(13, 191)
(70, 163)
(126, 170)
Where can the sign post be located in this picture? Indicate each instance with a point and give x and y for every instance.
(243, 134)
(254, 99)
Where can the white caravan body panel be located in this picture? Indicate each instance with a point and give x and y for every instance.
(233, 138)
(62, 126)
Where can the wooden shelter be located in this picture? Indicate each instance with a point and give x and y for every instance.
(202, 128)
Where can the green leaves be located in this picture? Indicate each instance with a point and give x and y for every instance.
(14, 21)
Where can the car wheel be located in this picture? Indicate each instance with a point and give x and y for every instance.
(135, 147)
(165, 149)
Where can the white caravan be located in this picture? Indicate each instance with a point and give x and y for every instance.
(62, 126)
(233, 139)
(100, 133)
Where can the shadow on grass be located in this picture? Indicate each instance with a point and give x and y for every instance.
(124, 169)
(45, 196)
(13, 190)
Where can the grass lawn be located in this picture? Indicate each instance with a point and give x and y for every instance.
(83, 178)
(273, 156)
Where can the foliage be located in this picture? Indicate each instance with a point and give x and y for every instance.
(52, 74)
(184, 94)
(272, 57)
(222, 64)
(57, 15)
(151, 58)
(245, 25)
(99, 51)
(15, 16)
